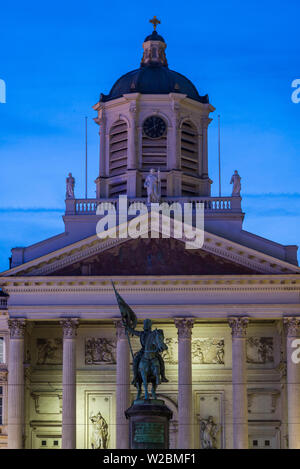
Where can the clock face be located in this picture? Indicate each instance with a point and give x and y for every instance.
(154, 127)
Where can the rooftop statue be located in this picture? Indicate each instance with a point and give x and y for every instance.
(148, 364)
(70, 183)
(236, 181)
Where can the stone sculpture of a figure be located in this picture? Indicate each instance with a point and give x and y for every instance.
(70, 183)
(100, 437)
(236, 181)
(208, 433)
(152, 184)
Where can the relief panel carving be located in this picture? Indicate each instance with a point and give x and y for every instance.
(260, 350)
(208, 351)
(100, 351)
(170, 356)
(49, 351)
(205, 351)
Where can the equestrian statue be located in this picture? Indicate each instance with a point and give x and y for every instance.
(148, 364)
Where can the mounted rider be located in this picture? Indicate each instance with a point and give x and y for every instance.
(143, 335)
(129, 320)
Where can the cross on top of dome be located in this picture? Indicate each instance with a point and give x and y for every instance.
(155, 21)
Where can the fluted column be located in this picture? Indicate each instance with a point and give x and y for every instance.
(69, 383)
(16, 383)
(292, 327)
(185, 397)
(239, 382)
(122, 387)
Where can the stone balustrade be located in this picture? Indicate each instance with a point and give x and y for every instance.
(211, 204)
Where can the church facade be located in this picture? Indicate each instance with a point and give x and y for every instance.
(229, 309)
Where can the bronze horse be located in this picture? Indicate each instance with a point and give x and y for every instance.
(149, 367)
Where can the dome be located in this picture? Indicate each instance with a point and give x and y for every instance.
(153, 79)
(154, 75)
(154, 36)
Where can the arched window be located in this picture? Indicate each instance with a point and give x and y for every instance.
(189, 148)
(118, 144)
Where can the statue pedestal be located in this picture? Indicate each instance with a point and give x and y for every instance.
(148, 424)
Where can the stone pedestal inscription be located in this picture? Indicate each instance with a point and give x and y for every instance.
(148, 424)
(148, 432)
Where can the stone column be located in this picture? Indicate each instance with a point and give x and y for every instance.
(205, 123)
(292, 325)
(131, 158)
(122, 387)
(16, 383)
(239, 382)
(102, 133)
(173, 141)
(69, 383)
(185, 396)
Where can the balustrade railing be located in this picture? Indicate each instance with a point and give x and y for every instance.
(211, 204)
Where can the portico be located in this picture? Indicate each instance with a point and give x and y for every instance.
(106, 378)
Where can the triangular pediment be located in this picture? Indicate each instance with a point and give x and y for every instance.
(154, 257)
(146, 256)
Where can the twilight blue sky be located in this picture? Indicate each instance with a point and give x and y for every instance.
(56, 58)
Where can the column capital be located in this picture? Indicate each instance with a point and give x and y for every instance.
(17, 328)
(238, 326)
(184, 326)
(120, 329)
(292, 326)
(70, 326)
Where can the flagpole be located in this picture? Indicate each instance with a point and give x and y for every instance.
(219, 155)
(129, 343)
(86, 158)
(124, 324)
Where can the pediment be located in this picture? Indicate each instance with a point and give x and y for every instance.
(154, 257)
(161, 256)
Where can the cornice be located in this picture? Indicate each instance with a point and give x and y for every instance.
(288, 282)
(160, 312)
(134, 283)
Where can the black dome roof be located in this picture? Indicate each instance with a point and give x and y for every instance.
(154, 36)
(153, 79)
